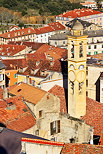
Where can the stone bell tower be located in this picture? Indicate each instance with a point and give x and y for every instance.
(77, 44)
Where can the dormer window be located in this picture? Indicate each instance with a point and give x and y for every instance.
(43, 73)
(37, 63)
(8, 35)
(29, 31)
(32, 71)
(51, 63)
(49, 57)
(20, 70)
(18, 33)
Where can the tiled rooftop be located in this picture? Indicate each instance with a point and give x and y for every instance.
(14, 114)
(27, 31)
(33, 45)
(53, 50)
(94, 114)
(74, 148)
(51, 27)
(59, 91)
(97, 56)
(18, 33)
(14, 64)
(28, 92)
(10, 50)
(79, 13)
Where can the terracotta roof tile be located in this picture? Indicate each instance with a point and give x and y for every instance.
(79, 13)
(97, 56)
(18, 33)
(74, 148)
(51, 49)
(33, 45)
(59, 91)
(10, 50)
(94, 114)
(1, 93)
(34, 94)
(51, 27)
(14, 114)
(14, 64)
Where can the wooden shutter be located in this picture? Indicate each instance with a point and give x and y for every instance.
(58, 126)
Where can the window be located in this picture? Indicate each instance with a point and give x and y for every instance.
(95, 46)
(95, 52)
(89, 47)
(86, 70)
(89, 53)
(55, 127)
(8, 74)
(63, 42)
(87, 82)
(40, 114)
(15, 75)
(1, 77)
(37, 132)
(55, 43)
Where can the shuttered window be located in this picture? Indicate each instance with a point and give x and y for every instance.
(55, 127)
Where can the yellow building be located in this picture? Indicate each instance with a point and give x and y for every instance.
(2, 75)
(12, 77)
(77, 43)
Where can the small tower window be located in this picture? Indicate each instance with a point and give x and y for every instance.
(72, 87)
(80, 87)
(81, 49)
(72, 50)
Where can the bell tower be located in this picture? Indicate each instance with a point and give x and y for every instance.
(77, 44)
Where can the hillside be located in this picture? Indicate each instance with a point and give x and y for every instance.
(39, 7)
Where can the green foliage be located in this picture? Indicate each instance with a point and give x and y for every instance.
(50, 7)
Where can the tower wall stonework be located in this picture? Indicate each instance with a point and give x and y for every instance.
(77, 75)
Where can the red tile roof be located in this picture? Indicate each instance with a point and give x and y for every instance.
(36, 56)
(51, 27)
(1, 93)
(33, 45)
(74, 148)
(97, 56)
(34, 94)
(53, 50)
(14, 64)
(94, 115)
(86, 3)
(79, 13)
(59, 91)
(14, 114)
(10, 50)
(18, 33)
(27, 31)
